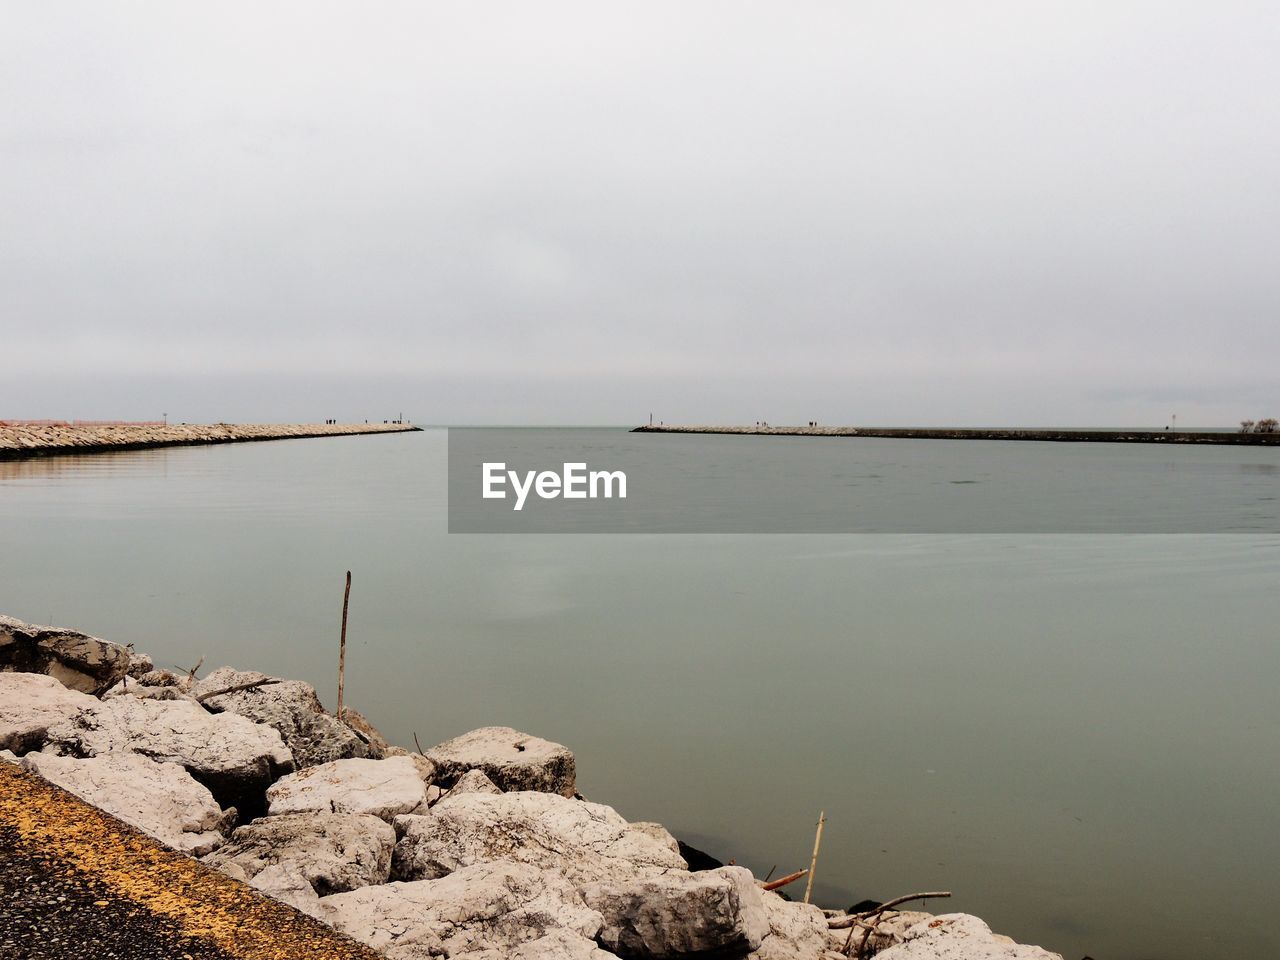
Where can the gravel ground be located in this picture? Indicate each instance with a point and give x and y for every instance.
(48, 911)
(77, 883)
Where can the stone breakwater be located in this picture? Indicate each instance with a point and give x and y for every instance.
(480, 847)
(942, 433)
(18, 441)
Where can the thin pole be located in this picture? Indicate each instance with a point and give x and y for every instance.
(342, 646)
(813, 863)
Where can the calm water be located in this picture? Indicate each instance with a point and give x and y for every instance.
(1075, 733)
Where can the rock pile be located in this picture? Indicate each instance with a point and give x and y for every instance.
(18, 440)
(479, 849)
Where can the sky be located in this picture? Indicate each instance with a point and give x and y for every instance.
(876, 213)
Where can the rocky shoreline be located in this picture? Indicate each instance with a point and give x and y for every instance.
(479, 847)
(19, 441)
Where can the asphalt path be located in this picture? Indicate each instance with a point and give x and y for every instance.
(77, 884)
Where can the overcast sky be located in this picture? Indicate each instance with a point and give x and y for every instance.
(864, 213)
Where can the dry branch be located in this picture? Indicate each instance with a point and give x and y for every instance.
(858, 921)
(237, 688)
(783, 881)
(849, 920)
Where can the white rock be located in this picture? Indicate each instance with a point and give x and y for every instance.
(489, 906)
(232, 756)
(300, 857)
(557, 945)
(292, 708)
(31, 703)
(286, 882)
(473, 781)
(154, 685)
(160, 799)
(77, 660)
(514, 761)
(677, 914)
(382, 788)
(426, 769)
(588, 842)
(797, 931)
(658, 832)
(959, 936)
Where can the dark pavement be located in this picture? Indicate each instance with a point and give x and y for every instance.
(77, 883)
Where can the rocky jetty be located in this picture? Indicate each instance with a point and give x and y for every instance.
(22, 440)
(479, 849)
(1229, 438)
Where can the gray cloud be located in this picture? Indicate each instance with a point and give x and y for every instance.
(571, 212)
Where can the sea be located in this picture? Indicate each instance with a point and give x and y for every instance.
(1073, 727)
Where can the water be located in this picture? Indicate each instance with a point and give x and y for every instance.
(1075, 733)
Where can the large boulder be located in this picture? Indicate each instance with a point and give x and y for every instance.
(681, 914)
(488, 906)
(797, 931)
(160, 799)
(32, 703)
(587, 842)
(959, 936)
(301, 857)
(381, 788)
(511, 759)
(232, 756)
(291, 707)
(77, 660)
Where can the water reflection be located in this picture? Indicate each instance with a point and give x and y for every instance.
(79, 465)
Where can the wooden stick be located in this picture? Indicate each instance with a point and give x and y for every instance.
(342, 647)
(783, 881)
(852, 918)
(191, 674)
(813, 863)
(237, 688)
(937, 894)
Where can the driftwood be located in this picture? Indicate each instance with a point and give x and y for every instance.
(251, 685)
(783, 881)
(868, 920)
(191, 674)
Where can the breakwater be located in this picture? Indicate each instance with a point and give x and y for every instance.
(19, 440)
(948, 433)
